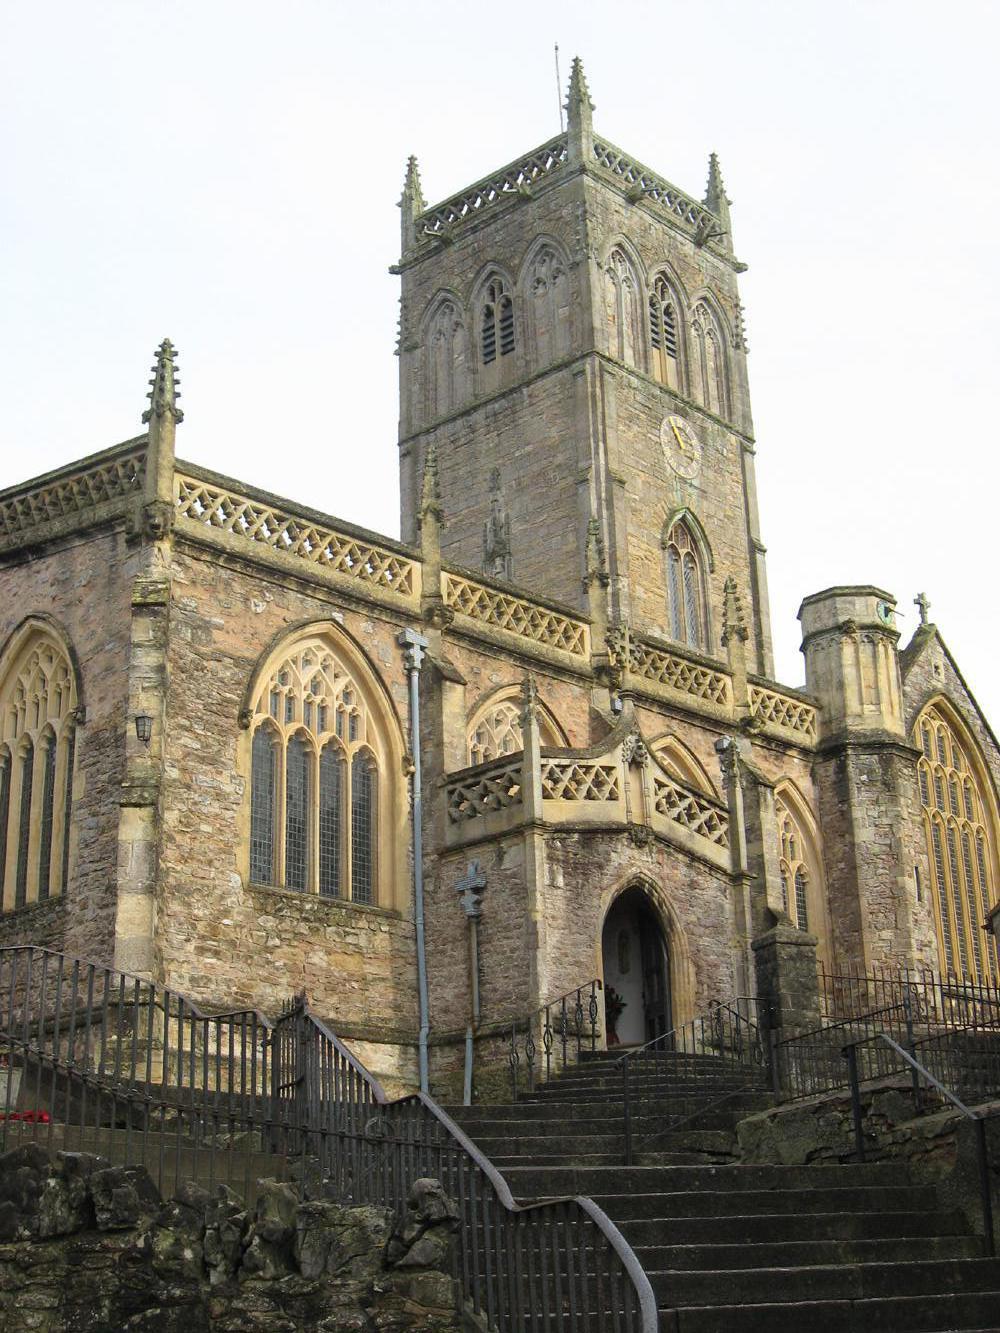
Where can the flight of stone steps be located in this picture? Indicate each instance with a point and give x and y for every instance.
(747, 1249)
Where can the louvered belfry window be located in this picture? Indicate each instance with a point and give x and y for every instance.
(314, 819)
(38, 720)
(960, 831)
(497, 330)
(664, 338)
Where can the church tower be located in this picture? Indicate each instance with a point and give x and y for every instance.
(571, 341)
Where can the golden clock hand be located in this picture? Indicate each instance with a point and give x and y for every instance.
(678, 437)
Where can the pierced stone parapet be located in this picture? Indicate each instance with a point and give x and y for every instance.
(510, 181)
(203, 504)
(692, 810)
(682, 674)
(783, 712)
(575, 780)
(646, 184)
(516, 615)
(53, 504)
(484, 790)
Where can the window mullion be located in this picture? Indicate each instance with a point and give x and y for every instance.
(281, 797)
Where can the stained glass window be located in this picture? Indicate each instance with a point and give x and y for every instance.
(262, 807)
(5, 774)
(47, 816)
(297, 809)
(314, 783)
(24, 824)
(800, 867)
(685, 588)
(959, 828)
(364, 794)
(37, 755)
(331, 819)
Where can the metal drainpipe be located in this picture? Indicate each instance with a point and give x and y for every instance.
(414, 646)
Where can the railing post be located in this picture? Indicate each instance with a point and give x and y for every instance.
(851, 1055)
(774, 1061)
(513, 1059)
(626, 1112)
(593, 1017)
(985, 1187)
(911, 1044)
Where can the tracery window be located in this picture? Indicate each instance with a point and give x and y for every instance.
(664, 334)
(315, 760)
(496, 730)
(711, 359)
(497, 323)
(687, 616)
(38, 718)
(446, 360)
(960, 829)
(802, 891)
(621, 301)
(550, 311)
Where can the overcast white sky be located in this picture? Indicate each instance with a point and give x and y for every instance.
(226, 174)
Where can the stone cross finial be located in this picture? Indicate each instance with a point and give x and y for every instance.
(163, 392)
(921, 601)
(470, 889)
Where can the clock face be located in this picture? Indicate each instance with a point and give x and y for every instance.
(681, 447)
(884, 612)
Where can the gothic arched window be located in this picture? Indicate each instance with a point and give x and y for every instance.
(687, 614)
(445, 342)
(802, 892)
(497, 322)
(548, 284)
(621, 302)
(664, 334)
(960, 829)
(711, 359)
(495, 730)
(38, 717)
(317, 755)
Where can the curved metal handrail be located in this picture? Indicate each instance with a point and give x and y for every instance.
(850, 1053)
(606, 1228)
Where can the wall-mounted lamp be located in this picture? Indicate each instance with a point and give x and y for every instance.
(144, 727)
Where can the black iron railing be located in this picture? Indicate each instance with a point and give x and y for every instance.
(904, 1059)
(118, 1065)
(691, 1070)
(556, 1035)
(936, 1000)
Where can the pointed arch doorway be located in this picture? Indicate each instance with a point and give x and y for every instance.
(636, 962)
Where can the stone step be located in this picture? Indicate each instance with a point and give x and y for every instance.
(836, 1282)
(747, 1231)
(722, 1203)
(914, 1314)
(709, 1257)
(731, 1179)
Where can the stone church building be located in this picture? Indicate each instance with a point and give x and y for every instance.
(219, 707)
